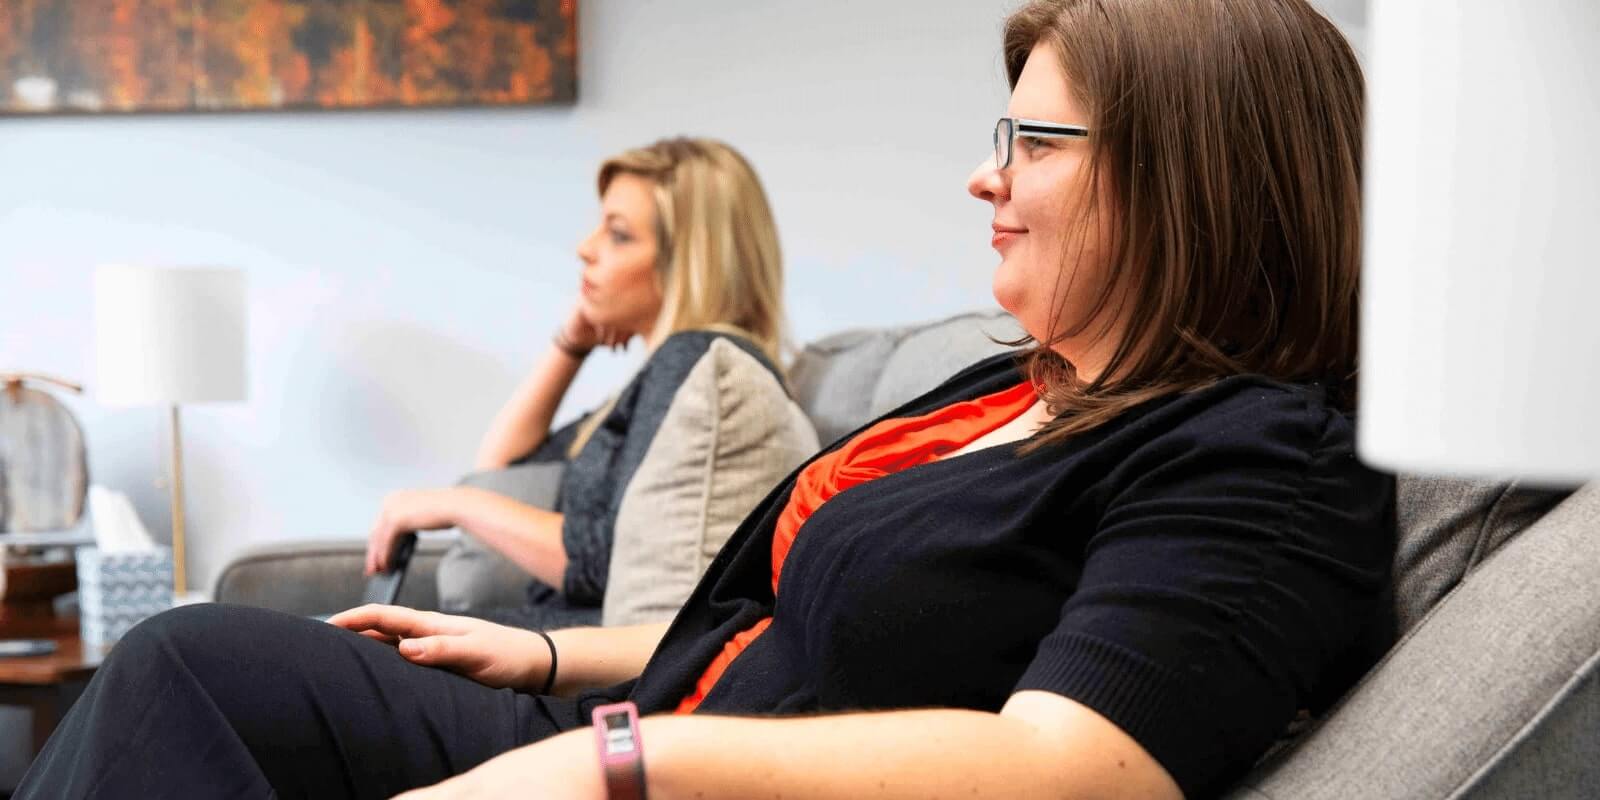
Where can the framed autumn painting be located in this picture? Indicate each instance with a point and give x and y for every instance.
(108, 56)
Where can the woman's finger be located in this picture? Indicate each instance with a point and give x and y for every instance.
(391, 620)
(373, 545)
(439, 651)
(380, 636)
(378, 546)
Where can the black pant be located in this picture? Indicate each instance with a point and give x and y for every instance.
(214, 701)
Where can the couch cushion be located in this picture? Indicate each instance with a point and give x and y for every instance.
(833, 379)
(472, 576)
(320, 576)
(846, 379)
(1449, 526)
(929, 354)
(1461, 695)
(731, 434)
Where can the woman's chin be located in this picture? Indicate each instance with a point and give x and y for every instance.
(596, 313)
(1006, 291)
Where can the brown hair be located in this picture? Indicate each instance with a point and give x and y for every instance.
(1226, 136)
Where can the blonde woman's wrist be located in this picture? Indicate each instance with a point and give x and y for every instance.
(566, 345)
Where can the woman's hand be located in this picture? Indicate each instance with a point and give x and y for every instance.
(581, 333)
(408, 511)
(493, 655)
(566, 767)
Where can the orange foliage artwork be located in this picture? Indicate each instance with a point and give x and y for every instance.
(91, 56)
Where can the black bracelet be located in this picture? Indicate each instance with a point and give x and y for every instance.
(561, 343)
(549, 682)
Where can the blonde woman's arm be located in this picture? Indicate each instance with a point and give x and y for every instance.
(523, 423)
(530, 537)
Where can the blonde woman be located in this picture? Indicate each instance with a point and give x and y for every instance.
(685, 256)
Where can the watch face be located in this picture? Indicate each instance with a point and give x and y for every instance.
(618, 734)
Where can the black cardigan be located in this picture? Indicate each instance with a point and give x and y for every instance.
(1197, 571)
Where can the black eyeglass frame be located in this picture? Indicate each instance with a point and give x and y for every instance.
(1005, 143)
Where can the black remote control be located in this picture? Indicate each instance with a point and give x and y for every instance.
(384, 587)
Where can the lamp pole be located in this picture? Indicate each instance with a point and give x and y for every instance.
(179, 576)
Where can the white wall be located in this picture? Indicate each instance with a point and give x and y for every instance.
(406, 266)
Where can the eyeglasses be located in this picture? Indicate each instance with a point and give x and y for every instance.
(1008, 129)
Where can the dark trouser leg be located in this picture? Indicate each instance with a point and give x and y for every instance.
(228, 701)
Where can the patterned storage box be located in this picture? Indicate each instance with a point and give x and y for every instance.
(117, 590)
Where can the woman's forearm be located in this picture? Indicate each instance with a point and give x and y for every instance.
(909, 754)
(524, 422)
(530, 537)
(595, 657)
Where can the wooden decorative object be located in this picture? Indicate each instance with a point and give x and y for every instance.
(44, 472)
(28, 589)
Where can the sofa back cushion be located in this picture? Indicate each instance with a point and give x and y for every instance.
(847, 379)
(473, 576)
(1447, 527)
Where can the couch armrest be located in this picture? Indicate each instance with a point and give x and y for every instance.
(322, 576)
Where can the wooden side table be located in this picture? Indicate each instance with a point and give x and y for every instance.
(46, 685)
(49, 685)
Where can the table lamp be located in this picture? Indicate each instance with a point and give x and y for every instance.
(1480, 341)
(168, 337)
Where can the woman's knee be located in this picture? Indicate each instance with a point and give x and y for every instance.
(186, 633)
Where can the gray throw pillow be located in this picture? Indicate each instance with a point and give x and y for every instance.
(471, 575)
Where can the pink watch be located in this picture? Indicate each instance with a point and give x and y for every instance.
(616, 729)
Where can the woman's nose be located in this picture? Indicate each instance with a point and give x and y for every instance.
(586, 249)
(988, 183)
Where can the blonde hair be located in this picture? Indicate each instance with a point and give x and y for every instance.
(719, 262)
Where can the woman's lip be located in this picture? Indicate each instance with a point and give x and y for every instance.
(1003, 237)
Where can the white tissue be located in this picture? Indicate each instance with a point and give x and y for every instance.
(117, 528)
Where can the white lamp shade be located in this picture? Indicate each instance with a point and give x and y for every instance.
(1480, 347)
(169, 336)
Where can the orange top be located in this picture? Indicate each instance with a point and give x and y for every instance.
(890, 446)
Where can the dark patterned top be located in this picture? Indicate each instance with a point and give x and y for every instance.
(593, 485)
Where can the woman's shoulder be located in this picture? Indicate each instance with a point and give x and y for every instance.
(677, 356)
(1259, 436)
(692, 344)
(1256, 407)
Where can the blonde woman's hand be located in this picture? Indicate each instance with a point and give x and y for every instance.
(493, 655)
(579, 332)
(408, 511)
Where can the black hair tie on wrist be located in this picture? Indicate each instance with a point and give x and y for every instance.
(565, 346)
(549, 682)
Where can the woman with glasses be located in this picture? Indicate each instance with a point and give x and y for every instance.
(1118, 563)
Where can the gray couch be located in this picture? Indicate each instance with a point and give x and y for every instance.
(1490, 692)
